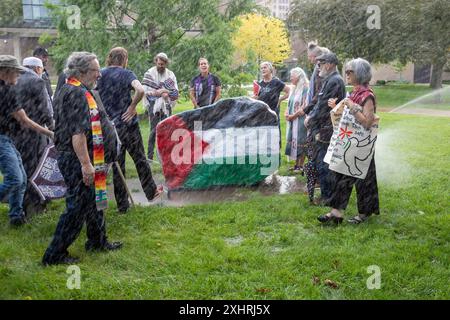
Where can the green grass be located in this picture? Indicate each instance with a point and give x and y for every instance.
(265, 247)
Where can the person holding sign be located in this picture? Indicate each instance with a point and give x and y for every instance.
(361, 105)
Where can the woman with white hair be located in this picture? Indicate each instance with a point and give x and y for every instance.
(295, 117)
(362, 106)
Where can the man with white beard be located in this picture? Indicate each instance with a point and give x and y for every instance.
(319, 120)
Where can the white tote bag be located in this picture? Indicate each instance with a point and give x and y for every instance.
(352, 146)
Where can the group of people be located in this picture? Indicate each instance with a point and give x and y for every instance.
(310, 127)
(92, 120)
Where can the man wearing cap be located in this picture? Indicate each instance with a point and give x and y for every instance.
(12, 118)
(161, 94)
(32, 96)
(319, 120)
(43, 54)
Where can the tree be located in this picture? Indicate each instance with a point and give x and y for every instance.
(185, 30)
(409, 30)
(260, 38)
(10, 12)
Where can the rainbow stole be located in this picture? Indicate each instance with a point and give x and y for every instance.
(101, 197)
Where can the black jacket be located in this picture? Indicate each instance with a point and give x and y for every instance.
(320, 120)
(48, 84)
(31, 94)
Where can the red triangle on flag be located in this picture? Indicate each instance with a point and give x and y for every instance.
(176, 165)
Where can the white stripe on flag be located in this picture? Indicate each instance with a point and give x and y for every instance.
(240, 142)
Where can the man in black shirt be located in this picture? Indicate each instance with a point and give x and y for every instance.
(115, 88)
(12, 119)
(74, 142)
(31, 95)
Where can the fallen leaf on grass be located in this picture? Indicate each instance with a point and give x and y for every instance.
(331, 284)
(316, 280)
(263, 290)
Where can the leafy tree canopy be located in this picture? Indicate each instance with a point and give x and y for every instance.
(185, 30)
(409, 30)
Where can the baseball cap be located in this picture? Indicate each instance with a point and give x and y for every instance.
(328, 57)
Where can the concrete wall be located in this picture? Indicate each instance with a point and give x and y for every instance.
(387, 72)
(20, 42)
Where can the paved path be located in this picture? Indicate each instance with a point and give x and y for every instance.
(271, 185)
(426, 112)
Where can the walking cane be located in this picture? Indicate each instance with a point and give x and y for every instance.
(124, 182)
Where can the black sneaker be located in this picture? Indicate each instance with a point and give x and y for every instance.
(17, 221)
(65, 260)
(109, 246)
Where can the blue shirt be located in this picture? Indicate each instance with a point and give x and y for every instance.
(115, 88)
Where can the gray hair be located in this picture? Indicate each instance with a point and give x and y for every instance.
(315, 50)
(303, 78)
(162, 56)
(361, 69)
(78, 63)
(268, 64)
(300, 73)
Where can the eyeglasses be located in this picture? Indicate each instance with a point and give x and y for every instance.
(347, 72)
(95, 70)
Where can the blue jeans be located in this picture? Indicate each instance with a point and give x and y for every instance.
(14, 176)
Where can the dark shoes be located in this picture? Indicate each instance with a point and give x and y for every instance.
(66, 260)
(109, 246)
(17, 221)
(122, 210)
(330, 218)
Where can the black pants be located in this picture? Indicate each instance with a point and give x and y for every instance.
(366, 191)
(80, 208)
(154, 119)
(310, 168)
(131, 138)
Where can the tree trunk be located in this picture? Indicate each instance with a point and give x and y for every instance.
(436, 74)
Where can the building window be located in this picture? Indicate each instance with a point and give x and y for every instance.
(35, 9)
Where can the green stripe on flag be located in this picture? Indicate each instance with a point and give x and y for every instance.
(230, 171)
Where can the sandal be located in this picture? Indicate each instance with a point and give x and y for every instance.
(330, 217)
(159, 191)
(358, 219)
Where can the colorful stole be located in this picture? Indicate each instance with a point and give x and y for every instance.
(101, 198)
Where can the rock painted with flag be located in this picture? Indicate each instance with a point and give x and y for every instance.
(232, 142)
(47, 179)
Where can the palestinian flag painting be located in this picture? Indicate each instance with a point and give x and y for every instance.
(232, 142)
